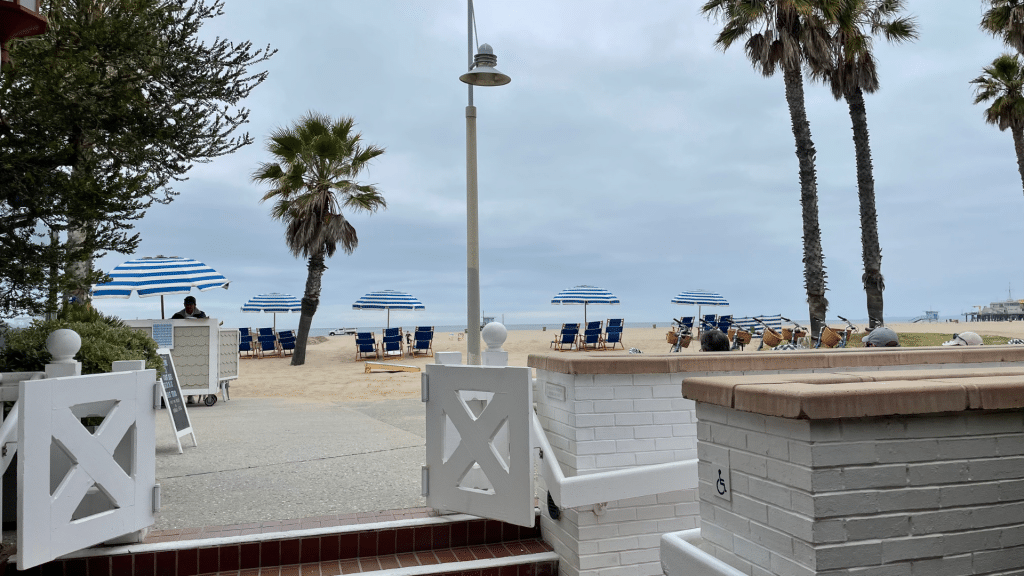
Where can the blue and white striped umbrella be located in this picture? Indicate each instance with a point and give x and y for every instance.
(700, 298)
(273, 302)
(388, 300)
(585, 295)
(159, 276)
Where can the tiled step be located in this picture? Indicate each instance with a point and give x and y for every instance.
(410, 544)
(518, 558)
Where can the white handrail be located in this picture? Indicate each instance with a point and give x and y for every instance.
(681, 556)
(611, 485)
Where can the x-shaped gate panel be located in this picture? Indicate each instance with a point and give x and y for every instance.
(496, 438)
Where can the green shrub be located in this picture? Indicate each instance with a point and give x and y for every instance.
(104, 340)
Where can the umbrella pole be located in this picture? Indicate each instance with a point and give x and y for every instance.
(389, 317)
(162, 316)
(275, 322)
(584, 315)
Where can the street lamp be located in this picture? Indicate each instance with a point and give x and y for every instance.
(481, 73)
(18, 18)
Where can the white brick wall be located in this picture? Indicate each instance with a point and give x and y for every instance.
(918, 495)
(609, 422)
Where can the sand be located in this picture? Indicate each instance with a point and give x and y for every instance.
(333, 374)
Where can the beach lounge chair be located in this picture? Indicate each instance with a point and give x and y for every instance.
(265, 331)
(266, 343)
(366, 343)
(392, 346)
(245, 332)
(422, 342)
(286, 342)
(591, 338)
(566, 339)
(613, 333)
(245, 345)
(724, 323)
(395, 332)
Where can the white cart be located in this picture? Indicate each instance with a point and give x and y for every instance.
(206, 356)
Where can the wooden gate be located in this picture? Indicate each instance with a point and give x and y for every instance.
(479, 447)
(77, 487)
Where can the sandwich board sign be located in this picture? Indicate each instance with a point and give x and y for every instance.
(170, 391)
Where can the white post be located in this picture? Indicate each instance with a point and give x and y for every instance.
(63, 344)
(495, 334)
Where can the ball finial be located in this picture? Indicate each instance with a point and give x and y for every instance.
(494, 334)
(63, 344)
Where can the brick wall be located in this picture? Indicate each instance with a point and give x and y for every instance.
(901, 495)
(608, 422)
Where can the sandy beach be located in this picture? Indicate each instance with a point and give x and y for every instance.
(333, 374)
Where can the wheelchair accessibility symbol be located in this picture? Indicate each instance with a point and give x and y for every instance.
(720, 484)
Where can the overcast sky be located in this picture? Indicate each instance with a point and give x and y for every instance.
(627, 153)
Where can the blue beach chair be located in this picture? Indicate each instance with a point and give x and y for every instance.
(613, 334)
(366, 343)
(566, 339)
(591, 338)
(422, 341)
(391, 345)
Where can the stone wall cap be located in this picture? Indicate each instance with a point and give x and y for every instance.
(624, 363)
(860, 394)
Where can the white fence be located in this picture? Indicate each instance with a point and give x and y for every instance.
(79, 486)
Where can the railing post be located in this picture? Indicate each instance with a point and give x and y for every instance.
(63, 344)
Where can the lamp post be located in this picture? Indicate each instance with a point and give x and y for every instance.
(18, 18)
(481, 73)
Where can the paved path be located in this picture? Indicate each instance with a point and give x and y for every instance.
(264, 459)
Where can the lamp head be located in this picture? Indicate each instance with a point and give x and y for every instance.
(483, 72)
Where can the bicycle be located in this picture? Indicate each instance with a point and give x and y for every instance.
(838, 337)
(739, 336)
(797, 337)
(769, 337)
(683, 336)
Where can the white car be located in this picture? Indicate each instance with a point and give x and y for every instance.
(342, 331)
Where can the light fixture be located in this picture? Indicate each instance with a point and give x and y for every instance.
(483, 72)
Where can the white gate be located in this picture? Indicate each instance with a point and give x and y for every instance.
(479, 447)
(79, 488)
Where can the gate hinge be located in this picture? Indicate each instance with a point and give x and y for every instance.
(156, 498)
(424, 388)
(424, 480)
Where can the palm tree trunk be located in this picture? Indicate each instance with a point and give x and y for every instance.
(310, 302)
(871, 251)
(1018, 146)
(814, 261)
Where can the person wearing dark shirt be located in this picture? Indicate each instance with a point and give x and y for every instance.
(189, 311)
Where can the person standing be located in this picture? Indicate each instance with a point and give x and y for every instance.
(189, 311)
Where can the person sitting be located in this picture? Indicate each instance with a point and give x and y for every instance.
(881, 337)
(189, 311)
(965, 339)
(714, 341)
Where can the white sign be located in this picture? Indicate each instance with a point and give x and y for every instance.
(720, 471)
(163, 333)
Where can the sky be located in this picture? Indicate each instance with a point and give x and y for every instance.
(627, 153)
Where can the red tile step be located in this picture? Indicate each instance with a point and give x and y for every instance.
(410, 546)
(518, 558)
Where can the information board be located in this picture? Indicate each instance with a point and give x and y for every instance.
(170, 390)
(163, 333)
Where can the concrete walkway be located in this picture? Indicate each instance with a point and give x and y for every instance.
(263, 459)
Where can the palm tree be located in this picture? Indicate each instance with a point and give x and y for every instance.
(1005, 18)
(1002, 84)
(852, 73)
(311, 182)
(787, 35)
